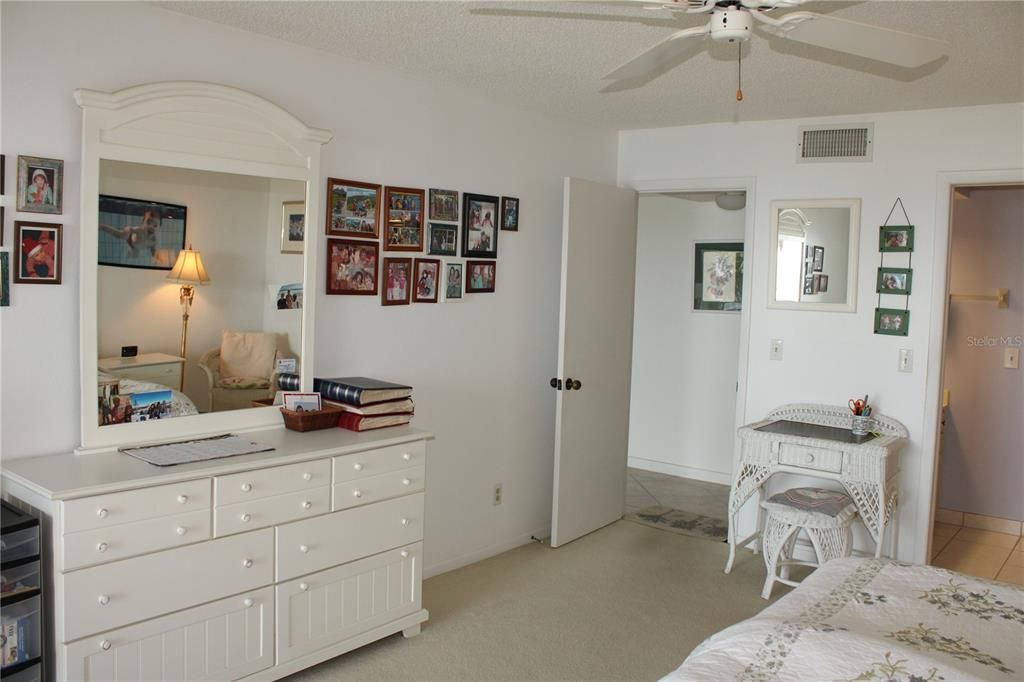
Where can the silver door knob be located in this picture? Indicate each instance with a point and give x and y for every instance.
(181, 530)
(304, 548)
(245, 518)
(247, 563)
(307, 476)
(406, 481)
(102, 547)
(357, 493)
(247, 602)
(404, 553)
(246, 487)
(102, 513)
(182, 499)
(303, 586)
(405, 522)
(357, 466)
(103, 600)
(105, 644)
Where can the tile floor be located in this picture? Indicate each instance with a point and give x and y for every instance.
(980, 553)
(647, 488)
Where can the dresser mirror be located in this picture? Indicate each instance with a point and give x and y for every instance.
(198, 248)
(814, 260)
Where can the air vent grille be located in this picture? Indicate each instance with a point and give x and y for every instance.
(835, 143)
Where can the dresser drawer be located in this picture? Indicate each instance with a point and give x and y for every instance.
(253, 485)
(104, 511)
(374, 488)
(109, 596)
(383, 460)
(102, 545)
(807, 457)
(314, 544)
(269, 511)
(161, 374)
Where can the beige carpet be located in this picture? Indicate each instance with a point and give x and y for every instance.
(625, 602)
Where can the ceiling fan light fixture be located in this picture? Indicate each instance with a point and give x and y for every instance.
(731, 24)
(731, 201)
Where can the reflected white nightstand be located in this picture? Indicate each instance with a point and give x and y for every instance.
(158, 368)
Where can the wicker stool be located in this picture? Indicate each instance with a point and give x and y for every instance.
(825, 515)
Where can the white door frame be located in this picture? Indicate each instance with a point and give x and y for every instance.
(937, 340)
(737, 184)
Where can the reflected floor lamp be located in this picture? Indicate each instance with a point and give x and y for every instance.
(187, 271)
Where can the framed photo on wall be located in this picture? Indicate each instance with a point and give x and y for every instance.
(293, 226)
(427, 274)
(819, 258)
(137, 233)
(397, 276)
(481, 275)
(40, 185)
(5, 279)
(894, 281)
(444, 205)
(892, 322)
(38, 257)
(352, 267)
(452, 282)
(479, 226)
(404, 218)
(353, 209)
(718, 276)
(896, 238)
(441, 239)
(510, 214)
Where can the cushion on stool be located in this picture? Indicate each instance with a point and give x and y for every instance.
(816, 502)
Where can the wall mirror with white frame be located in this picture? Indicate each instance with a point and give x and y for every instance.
(814, 260)
(198, 249)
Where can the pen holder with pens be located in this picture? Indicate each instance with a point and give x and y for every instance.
(862, 425)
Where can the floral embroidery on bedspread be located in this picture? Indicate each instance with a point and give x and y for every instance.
(954, 599)
(895, 671)
(958, 647)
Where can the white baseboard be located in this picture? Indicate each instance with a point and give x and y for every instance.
(484, 553)
(679, 470)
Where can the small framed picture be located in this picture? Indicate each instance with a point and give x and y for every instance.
(809, 285)
(301, 402)
(822, 284)
(40, 185)
(479, 228)
(353, 209)
(352, 267)
(427, 272)
(5, 279)
(137, 233)
(892, 322)
(397, 276)
(718, 276)
(293, 226)
(898, 238)
(819, 258)
(442, 239)
(482, 274)
(3, 174)
(404, 214)
(452, 282)
(289, 296)
(286, 365)
(444, 205)
(894, 281)
(510, 214)
(38, 257)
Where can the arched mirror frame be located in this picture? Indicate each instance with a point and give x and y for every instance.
(201, 126)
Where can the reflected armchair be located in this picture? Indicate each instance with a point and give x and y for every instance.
(242, 370)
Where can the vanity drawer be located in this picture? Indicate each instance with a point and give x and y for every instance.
(807, 457)
(314, 544)
(374, 488)
(103, 511)
(269, 511)
(102, 545)
(383, 460)
(259, 483)
(109, 596)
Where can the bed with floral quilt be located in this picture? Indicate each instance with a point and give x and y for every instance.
(872, 619)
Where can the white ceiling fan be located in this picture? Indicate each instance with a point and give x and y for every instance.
(734, 21)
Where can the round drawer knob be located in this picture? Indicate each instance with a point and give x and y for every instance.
(181, 530)
(404, 553)
(245, 518)
(102, 513)
(105, 645)
(247, 601)
(102, 547)
(307, 476)
(247, 563)
(103, 600)
(357, 493)
(303, 586)
(303, 548)
(307, 504)
(406, 456)
(405, 522)
(406, 481)
(357, 466)
(246, 487)
(810, 458)
(182, 499)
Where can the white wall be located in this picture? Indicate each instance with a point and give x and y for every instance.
(982, 468)
(480, 368)
(683, 396)
(830, 357)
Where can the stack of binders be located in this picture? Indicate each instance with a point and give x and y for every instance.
(368, 403)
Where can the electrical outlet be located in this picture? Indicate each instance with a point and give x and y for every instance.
(775, 353)
(497, 495)
(1011, 358)
(906, 363)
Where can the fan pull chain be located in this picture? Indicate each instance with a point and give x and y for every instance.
(739, 72)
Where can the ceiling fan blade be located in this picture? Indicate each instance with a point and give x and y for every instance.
(908, 50)
(658, 56)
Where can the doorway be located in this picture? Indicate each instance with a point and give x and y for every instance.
(979, 509)
(686, 354)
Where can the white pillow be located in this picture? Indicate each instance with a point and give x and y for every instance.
(247, 354)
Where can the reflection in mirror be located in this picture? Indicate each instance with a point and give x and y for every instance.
(199, 290)
(815, 259)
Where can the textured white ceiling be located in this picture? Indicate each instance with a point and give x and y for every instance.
(550, 56)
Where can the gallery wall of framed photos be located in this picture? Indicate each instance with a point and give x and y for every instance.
(378, 237)
(892, 281)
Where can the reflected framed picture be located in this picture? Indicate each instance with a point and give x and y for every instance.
(38, 258)
(353, 209)
(403, 212)
(479, 226)
(896, 238)
(441, 239)
(809, 285)
(138, 233)
(352, 267)
(397, 276)
(444, 205)
(427, 275)
(510, 214)
(40, 185)
(5, 279)
(452, 282)
(718, 276)
(894, 281)
(481, 275)
(892, 322)
(293, 226)
(819, 258)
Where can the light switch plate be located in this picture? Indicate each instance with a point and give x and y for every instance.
(906, 361)
(775, 353)
(1011, 358)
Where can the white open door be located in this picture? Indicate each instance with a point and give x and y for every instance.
(595, 349)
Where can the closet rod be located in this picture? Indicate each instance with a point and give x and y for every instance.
(1001, 297)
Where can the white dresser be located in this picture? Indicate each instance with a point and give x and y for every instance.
(245, 567)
